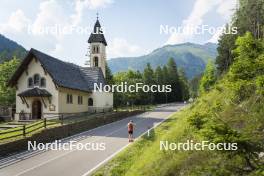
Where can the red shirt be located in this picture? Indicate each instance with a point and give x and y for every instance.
(130, 126)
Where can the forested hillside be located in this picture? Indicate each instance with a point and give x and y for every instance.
(10, 55)
(10, 49)
(168, 74)
(192, 58)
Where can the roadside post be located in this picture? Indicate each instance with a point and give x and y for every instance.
(45, 122)
(61, 119)
(148, 131)
(24, 130)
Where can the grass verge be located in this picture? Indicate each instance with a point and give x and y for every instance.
(124, 162)
(215, 118)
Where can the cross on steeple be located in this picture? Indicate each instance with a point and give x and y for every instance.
(97, 14)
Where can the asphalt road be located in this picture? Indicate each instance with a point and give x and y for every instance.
(82, 162)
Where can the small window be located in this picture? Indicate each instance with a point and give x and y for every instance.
(42, 82)
(90, 102)
(96, 61)
(36, 79)
(80, 100)
(95, 49)
(69, 98)
(30, 82)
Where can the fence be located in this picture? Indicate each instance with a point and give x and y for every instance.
(28, 116)
(60, 119)
(62, 131)
(26, 129)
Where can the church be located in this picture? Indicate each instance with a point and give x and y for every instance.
(47, 87)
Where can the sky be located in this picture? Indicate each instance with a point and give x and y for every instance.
(61, 28)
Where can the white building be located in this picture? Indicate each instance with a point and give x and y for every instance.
(46, 86)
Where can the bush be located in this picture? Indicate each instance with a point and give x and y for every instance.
(260, 84)
(197, 120)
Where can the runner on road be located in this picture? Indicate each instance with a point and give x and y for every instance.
(130, 129)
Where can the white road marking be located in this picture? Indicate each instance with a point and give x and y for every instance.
(143, 118)
(41, 164)
(21, 156)
(111, 156)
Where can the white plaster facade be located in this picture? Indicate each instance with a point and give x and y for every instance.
(57, 100)
(57, 103)
(100, 54)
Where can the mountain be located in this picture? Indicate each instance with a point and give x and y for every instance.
(189, 56)
(10, 49)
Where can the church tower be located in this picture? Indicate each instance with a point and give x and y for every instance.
(97, 47)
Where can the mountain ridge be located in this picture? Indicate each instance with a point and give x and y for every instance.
(191, 57)
(10, 49)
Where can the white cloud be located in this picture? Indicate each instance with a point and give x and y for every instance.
(58, 49)
(52, 13)
(81, 5)
(226, 8)
(120, 47)
(200, 9)
(196, 18)
(94, 4)
(17, 22)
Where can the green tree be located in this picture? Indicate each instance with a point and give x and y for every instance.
(108, 75)
(131, 78)
(148, 75)
(248, 58)
(225, 58)
(248, 47)
(148, 78)
(194, 85)
(184, 85)
(7, 94)
(208, 78)
(159, 98)
(158, 75)
(173, 78)
(248, 17)
(165, 75)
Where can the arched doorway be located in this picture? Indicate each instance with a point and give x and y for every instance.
(36, 109)
(96, 62)
(90, 102)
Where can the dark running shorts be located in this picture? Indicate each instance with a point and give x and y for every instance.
(130, 132)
